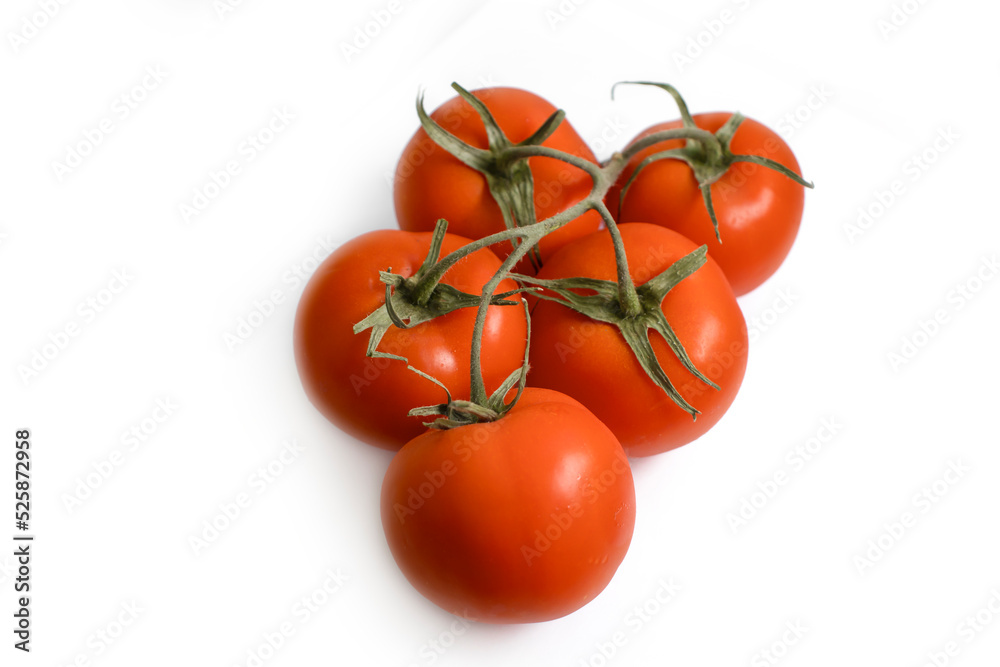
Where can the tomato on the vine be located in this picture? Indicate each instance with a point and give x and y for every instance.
(430, 183)
(370, 397)
(519, 520)
(591, 361)
(758, 209)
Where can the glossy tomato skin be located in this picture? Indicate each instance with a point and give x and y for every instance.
(369, 398)
(430, 183)
(759, 210)
(591, 362)
(521, 520)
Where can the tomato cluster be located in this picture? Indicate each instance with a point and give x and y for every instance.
(539, 318)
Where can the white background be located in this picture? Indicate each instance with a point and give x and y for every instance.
(877, 101)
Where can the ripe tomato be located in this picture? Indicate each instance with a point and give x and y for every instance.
(591, 362)
(430, 183)
(370, 397)
(520, 520)
(758, 209)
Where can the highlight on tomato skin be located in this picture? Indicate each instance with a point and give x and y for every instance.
(521, 520)
(759, 210)
(369, 398)
(430, 183)
(591, 362)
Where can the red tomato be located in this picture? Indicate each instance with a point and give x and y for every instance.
(591, 362)
(430, 183)
(758, 209)
(370, 397)
(520, 520)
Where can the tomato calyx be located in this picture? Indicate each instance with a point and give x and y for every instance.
(456, 413)
(604, 305)
(634, 311)
(421, 297)
(507, 175)
(708, 155)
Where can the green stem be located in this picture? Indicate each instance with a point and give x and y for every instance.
(627, 296)
(704, 137)
(521, 152)
(516, 199)
(550, 125)
(505, 167)
(505, 159)
(776, 166)
(681, 104)
(478, 394)
(421, 288)
(603, 177)
(531, 235)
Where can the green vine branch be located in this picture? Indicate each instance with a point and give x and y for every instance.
(636, 311)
